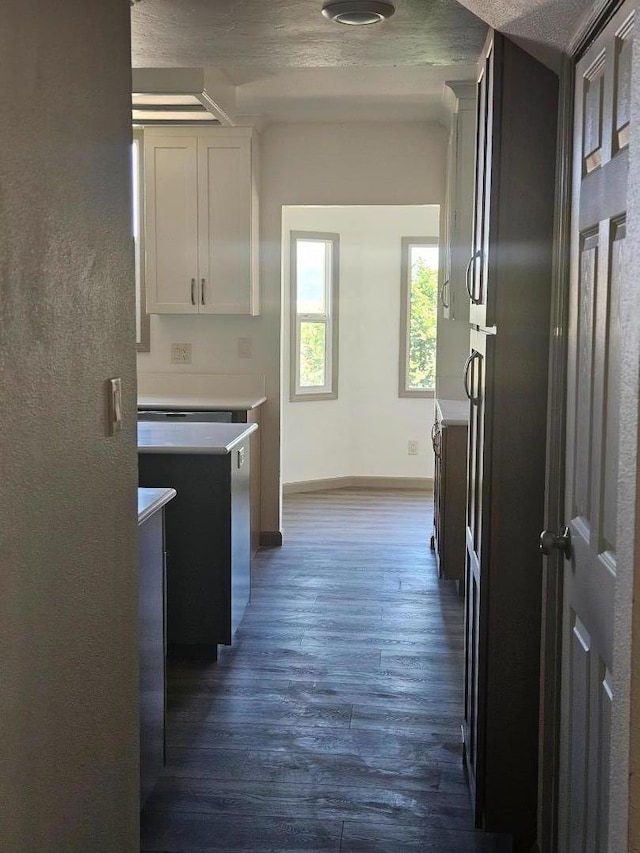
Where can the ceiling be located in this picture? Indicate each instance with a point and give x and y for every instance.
(289, 63)
(545, 27)
(276, 34)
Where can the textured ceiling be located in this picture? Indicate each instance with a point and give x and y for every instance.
(542, 25)
(275, 34)
(288, 63)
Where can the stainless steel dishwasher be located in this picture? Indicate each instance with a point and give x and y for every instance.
(184, 416)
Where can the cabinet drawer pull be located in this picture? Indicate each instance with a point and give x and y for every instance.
(202, 283)
(475, 354)
(476, 255)
(193, 291)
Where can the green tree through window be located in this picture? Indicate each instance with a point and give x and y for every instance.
(423, 295)
(315, 268)
(312, 354)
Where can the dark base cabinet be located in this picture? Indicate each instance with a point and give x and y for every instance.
(450, 493)
(252, 416)
(208, 544)
(151, 621)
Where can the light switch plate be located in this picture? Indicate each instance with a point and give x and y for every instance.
(245, 348)
(114, 406)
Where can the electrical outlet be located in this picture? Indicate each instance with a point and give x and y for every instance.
(245, 348)
(412, 448)
(180, 353)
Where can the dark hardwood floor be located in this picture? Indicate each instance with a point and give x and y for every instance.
(333, 723)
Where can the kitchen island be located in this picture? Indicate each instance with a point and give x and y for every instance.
(208, 529)
(151, 633)
(196, 396)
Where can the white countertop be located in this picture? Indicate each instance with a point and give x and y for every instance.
(151, 500)
(213, 438)
(202, 403)
(453, 412)
(181, 390)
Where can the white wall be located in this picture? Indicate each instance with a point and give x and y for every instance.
(68, 588)
(343, 164)
(364, 433)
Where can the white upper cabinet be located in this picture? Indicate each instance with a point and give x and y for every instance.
(201, 220)
(171, 222)
(458, 213)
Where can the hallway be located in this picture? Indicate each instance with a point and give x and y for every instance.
(333, 723)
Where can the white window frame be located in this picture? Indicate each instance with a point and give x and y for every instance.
(329, 391)
(143, 338)
(405, 283)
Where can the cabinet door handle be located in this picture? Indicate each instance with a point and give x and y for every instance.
(467, 276)
(443, 290)
(435, 438)
(202, 283)
(193, 291)
(475, 354)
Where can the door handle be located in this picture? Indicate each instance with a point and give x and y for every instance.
(550, 542)
(202, 283)
(467, 365)
(193, 291)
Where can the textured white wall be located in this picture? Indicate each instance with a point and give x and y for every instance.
(365, 431)
(68, 621)
(344, 164)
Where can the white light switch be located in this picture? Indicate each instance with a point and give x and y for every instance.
(114, 406)
(245, 348)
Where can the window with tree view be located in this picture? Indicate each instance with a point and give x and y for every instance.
(314, 314)
(418, 316)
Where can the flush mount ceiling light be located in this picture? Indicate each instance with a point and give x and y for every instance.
(357, 13)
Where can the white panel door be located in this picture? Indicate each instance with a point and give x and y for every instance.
(171, 224)
(224, 175)
(601, 134)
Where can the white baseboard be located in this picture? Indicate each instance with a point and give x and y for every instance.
(415, 484)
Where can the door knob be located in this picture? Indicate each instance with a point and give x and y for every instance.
(550, 542)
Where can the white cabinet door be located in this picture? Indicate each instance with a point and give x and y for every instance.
(171, 224)
(201, 225)
(224, 208)
(448, 215)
